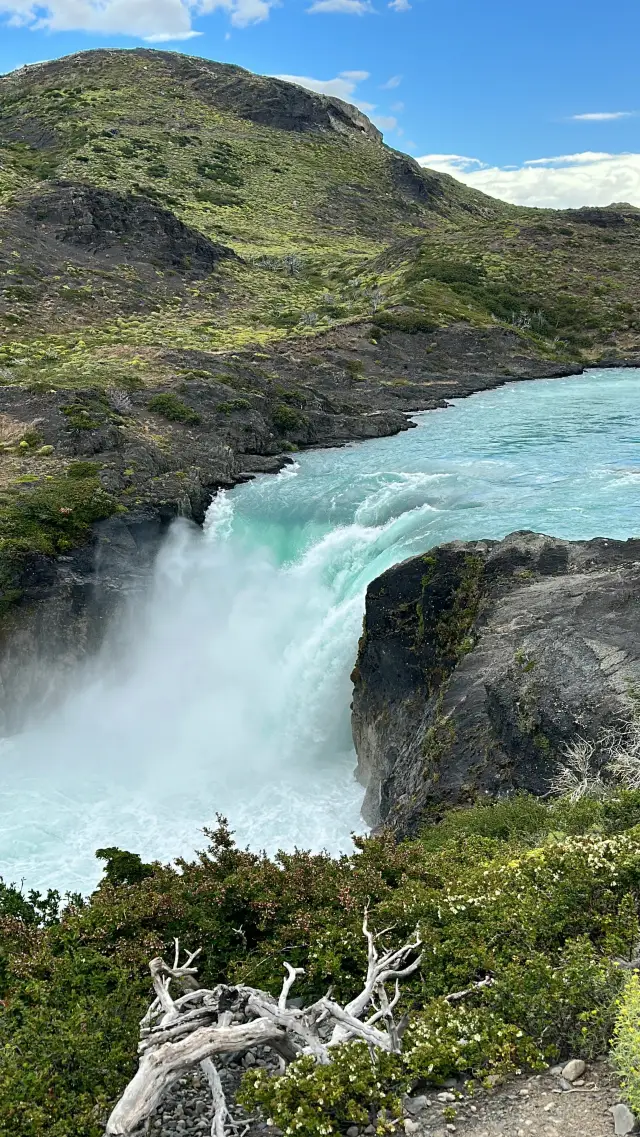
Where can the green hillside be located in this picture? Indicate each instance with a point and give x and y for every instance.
(253, 256)
(327, 223)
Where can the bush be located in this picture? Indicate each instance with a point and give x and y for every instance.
(82, 470)
(447, 272)
(233, 405)
(53, 516)
(285, 418)
(542, 897)
(626, 1041)
(313, 1100)
(122, 867)
(173, 409)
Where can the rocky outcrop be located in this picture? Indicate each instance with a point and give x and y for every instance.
(479, 662)
(122, 228)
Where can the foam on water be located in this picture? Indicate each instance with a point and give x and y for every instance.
(233, 692)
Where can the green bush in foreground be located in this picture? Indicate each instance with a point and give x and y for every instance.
(541, 897)
(626, 1048)
(315, 1100)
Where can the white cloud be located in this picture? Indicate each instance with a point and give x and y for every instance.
(385, 121)
(447, 163)
(348, 7)
(400, 5)
(342, 87)
(601, 116)
(566, 182)
(583, 159)
(391, 83)
(155, 21)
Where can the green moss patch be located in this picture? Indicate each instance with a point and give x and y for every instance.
(52, 516)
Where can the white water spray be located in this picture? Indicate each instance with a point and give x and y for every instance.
(233, 694)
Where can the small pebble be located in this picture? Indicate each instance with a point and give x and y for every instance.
(353, 1131)
(446, 1096)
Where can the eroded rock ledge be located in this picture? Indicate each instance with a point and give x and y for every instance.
(479, 662)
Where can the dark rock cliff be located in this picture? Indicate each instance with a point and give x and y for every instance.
(479, 662)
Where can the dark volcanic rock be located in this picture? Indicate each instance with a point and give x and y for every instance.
(479, 662)
(127, 228)
(266, 99)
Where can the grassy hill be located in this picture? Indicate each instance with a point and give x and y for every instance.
(197, 260)
(299, 186)
(327, 224)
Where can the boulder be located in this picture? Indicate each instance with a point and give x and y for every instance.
(480, 662)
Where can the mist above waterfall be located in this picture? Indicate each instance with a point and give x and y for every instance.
(228, 689)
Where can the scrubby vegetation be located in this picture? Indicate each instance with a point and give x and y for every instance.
(541, 898)
(367, 236)
(626, 1050)
(53, 514)
(173, 408)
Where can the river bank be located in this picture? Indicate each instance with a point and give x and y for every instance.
(154, 455)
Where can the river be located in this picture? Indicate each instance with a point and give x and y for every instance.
(233, 693)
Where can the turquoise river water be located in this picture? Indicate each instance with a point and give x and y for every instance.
(234, 692)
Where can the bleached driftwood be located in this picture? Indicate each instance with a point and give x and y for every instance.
(178, 1034)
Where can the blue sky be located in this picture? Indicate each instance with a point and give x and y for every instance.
(499, 92)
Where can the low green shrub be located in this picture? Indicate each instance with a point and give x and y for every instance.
(541, 897)
(285, 418)
(81, 417)
(355, 368)
(82, 470)
(173, 409)
(626, 1041)
(411, 322)
(54, 515)
(233, 405)
(322, 1100)
(292, 396)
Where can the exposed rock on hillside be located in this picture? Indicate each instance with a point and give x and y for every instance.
(479, 662)
(121, 228)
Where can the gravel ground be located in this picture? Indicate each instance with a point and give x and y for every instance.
(527, 1107)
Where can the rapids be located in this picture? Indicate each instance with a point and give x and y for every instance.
(233, 694)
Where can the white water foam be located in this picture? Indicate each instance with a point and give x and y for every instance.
(233, 694)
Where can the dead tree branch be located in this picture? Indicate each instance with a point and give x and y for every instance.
(178, 1034)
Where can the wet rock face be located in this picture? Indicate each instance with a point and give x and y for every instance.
(479, 662)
